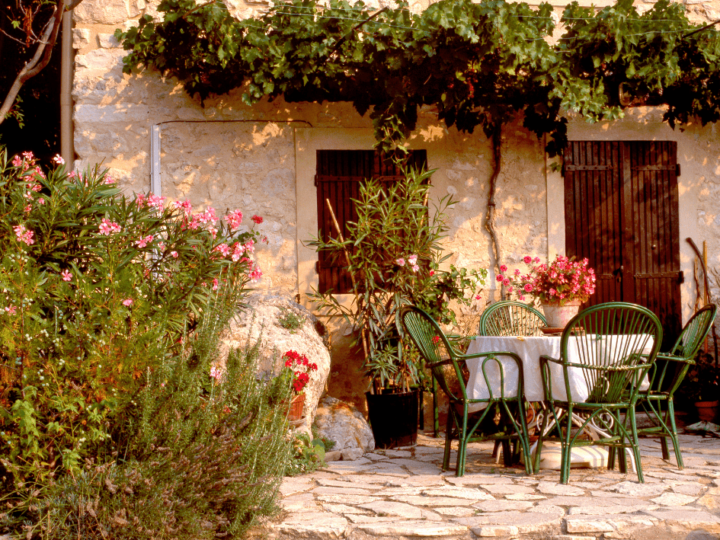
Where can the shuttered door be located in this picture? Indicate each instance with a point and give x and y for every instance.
(338, 178)
(621, 208)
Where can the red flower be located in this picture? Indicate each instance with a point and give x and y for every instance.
(436, 339)
(257, 219)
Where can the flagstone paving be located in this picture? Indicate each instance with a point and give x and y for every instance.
(404, 494)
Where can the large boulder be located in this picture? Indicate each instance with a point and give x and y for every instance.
(282, 325)
(343, 423)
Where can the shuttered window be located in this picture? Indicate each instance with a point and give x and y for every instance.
(621, 212)
(338, 178)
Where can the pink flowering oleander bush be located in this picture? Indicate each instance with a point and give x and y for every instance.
(96, 289)
(562, 281)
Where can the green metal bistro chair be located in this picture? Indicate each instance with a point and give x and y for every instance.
(431, 341)
(667, 374)
(510, 318)
(605, 352)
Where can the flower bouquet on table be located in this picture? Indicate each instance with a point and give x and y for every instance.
(296, 372)
(561, 286)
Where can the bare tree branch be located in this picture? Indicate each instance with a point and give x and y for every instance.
(42, 55)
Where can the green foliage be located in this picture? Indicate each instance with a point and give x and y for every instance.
(701, 382)
(198, 458)
(290, 320)
(308, 454)
(95, 290)
(395, 253)
(479, 64)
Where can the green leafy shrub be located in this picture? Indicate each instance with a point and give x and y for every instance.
(95, 290)
(290, 320)
(201, 456)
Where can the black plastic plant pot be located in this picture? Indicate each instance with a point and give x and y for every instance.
(393, 418)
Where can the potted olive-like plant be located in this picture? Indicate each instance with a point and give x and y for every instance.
(394, 254)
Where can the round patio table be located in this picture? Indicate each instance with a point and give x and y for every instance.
(530, 349)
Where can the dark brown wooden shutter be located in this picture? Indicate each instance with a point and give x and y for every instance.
(621, 212)
(338, 178)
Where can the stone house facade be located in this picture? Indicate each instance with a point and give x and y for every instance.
(262, 159)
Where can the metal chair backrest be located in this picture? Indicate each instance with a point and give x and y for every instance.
(510, 318)
(430, 341)
(614, 345)
(685, 349)
(694, 333)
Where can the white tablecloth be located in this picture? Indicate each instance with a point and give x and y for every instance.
(530, 349)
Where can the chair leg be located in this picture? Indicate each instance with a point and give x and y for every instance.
(462, 446)
(507, 453)
(611, 458)
(496, 447)
(448, 440)
(673, 435)
(664, 448)
(566, 450)
(436, 412)
(635, 445)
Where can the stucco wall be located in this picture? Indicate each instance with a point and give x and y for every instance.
(261, 160)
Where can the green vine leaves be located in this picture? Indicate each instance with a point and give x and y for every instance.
(475, 64)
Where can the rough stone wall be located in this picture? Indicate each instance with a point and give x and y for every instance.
(228, 155)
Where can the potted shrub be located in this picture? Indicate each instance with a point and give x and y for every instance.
(701, 387)
(393, 253)
(561, 286)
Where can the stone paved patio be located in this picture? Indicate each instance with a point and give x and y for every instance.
(403, 494)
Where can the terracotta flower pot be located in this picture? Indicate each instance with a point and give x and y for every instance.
(558, 316)
(296, 407)
(707, 410)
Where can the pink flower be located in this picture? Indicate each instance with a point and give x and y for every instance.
(506, 282)
(238, 250)
(499, 277)
(185, 206)
(66, 275)
(144, 241)
(234, 219)
(527, 259)
(23, 235)
(528, 287)
(17, 161)
(41, 201)
(477, 297)
(208, 216)
(10, 310)
(216, 373)
(509, 290)
(257, 219)
(174, 254)
(415, 267)
(72, 174)
(412, 260)
(503, 268)
(127, 302)
(155, 201)
(213, 232)
(255, 274)
(109, 180)
(536, 260)
(215, 284)
(108, 227)
(250, 246)
(552, 292)
(28, 155)
(517, 272)
(400, 262)
(28, 208)
(224, 249)
(58, 159)
(140, 200)
(161, 246)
